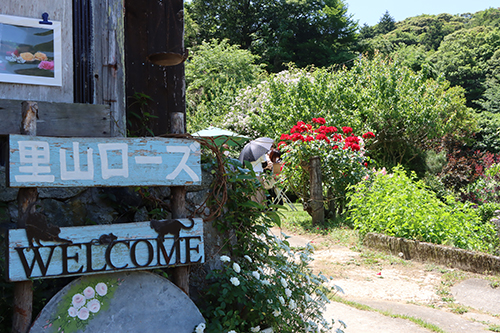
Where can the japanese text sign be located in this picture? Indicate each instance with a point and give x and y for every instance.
(70, 162)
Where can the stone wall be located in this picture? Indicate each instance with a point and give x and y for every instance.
(476, 262)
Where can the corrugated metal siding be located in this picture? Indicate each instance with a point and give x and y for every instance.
(82, 43)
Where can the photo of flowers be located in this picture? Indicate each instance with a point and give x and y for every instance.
(30, 52)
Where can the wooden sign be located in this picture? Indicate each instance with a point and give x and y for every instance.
(82, 162)
(104, 248)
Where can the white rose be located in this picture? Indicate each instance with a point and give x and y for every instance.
(236, 268)
(235, 281)
(284, 283)
(89, 292)
(256, 274)
(83, 313)
(247, 258)
(225, 259)
(288, 292)
(94, 306)
(276, 313)
(78, 301)
(255, 329)
(101, 288)
(200, 328)
(72, 312)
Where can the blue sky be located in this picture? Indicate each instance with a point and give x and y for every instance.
(370, 11)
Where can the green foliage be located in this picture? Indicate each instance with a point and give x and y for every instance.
(435, 161)
(460, 47)
(267, 284)
(214, 73)
(424, 30)
(398, 205)
(403, 108)
(304, 32)
(491, 97)
(463, 57)
(488, 137)
(138, 115)
(386, 24)
(489, 17)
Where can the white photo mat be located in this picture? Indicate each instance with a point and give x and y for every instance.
(30, 52)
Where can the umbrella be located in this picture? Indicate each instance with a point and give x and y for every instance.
(222, 136)
(255, 149)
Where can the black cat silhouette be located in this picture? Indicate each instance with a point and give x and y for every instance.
(171, 226)
(38, 228)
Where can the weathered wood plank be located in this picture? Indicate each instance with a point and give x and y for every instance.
(102, 162)
(136, 246)
(59, 119)
(108, 58)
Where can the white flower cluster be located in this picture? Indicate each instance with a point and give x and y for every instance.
(200, 328)
(287, 284)
(83, 305)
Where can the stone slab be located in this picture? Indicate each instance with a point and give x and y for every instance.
(479, 294)
(134, 302)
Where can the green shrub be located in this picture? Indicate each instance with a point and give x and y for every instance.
(261, 281)
(398, 205)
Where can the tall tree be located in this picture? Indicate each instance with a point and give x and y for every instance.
(386, 24)
(318, 32)
(466, 58)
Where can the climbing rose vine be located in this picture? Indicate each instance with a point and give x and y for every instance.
(342, 154)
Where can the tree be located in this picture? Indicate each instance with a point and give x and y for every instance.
(464, 58)
(304, 32)
(386, 24)
(215, 71)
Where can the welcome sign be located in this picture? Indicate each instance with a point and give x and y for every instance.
(105, 248)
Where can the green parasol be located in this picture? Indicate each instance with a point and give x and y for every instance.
(222, 136)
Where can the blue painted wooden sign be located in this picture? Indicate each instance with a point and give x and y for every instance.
(83, 162)
(105, 248)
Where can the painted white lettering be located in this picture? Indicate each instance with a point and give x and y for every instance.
(182, 165)
(77, 173)
(34, 153)
(148, 160)
(107, 171)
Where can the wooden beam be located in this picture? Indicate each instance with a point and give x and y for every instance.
(59, 119)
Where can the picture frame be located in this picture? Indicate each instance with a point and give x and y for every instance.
(30, 51)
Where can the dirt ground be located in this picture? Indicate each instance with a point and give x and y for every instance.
(363, 273)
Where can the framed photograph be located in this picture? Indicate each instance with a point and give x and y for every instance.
(30, 51)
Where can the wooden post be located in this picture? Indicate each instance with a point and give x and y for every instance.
(316, 188)
(23, 291)
(178, 203)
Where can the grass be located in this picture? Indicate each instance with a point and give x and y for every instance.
(332, 232)
(418, 321)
